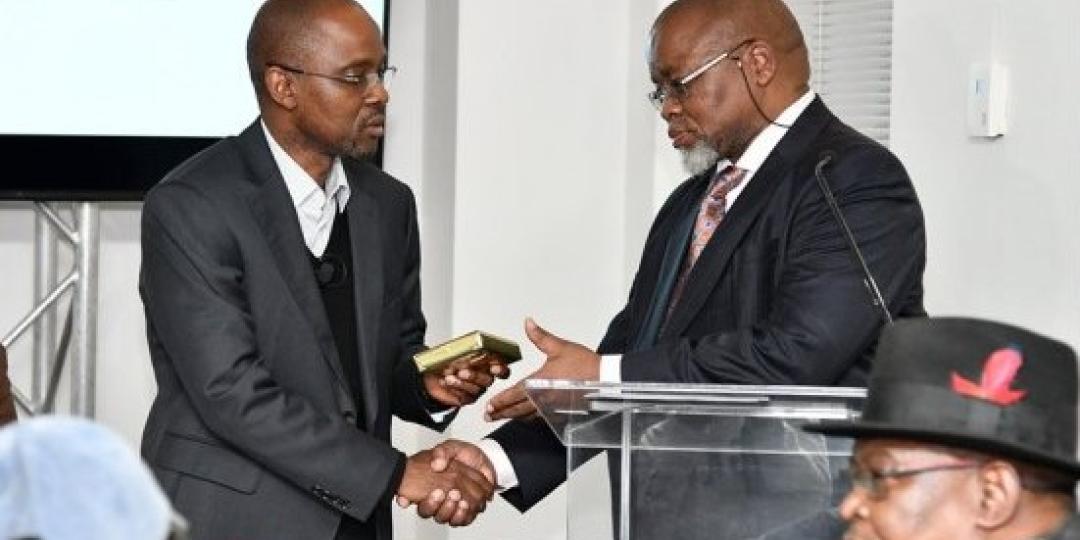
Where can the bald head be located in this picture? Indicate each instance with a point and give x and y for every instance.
(724, 23)
(284, 31)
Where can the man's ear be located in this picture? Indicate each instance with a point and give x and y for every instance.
(999, 494)
(758, 61)
(280, 87)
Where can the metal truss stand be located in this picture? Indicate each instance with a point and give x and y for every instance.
(80, 326)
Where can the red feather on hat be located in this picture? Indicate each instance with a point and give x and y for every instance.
(999, 372)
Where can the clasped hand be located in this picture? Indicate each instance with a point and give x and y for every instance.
(451, 483)
(446, 489)
(463, 381)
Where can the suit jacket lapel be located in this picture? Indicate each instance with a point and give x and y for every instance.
(276, 216)
(674, 255)
(367, 249)
(716, 257)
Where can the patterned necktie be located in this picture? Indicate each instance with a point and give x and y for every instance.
(712, 210)
(710, 215)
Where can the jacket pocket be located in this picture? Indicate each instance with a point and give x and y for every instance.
(208, 461)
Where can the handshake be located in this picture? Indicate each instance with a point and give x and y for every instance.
(450, 483)
(453, 482)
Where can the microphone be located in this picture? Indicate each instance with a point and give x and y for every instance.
(868, 278)
(330, 272)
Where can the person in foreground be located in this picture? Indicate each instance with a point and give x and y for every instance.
(280, 278)
(969, 432)
(67, 478)
(746, 277)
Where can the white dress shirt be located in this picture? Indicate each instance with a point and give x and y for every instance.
(315, 207)
(611, 365)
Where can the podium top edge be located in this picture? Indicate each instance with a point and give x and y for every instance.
(698, 389)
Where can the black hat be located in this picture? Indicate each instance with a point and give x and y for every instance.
(972, 384)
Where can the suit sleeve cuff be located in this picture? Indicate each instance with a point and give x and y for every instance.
(441, 416)
(395, 479)
(505, 476)
(436, 410)
(611, 368)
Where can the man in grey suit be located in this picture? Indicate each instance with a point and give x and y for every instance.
(280, 278)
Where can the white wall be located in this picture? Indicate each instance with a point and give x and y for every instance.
(542, 205)
(16, 282)
(419, 151)
(1001, 215)
(541, 163)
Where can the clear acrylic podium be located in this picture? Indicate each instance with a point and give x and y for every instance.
(690, 462)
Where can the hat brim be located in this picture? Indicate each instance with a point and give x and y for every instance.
(860, 429)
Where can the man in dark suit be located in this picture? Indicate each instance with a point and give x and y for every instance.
(746, 277)
(280, 278)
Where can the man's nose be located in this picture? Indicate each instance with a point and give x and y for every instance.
(378, 94)
(669, 108)
(854, 505)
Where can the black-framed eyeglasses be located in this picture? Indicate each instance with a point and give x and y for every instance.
(362, 82)
(876, 483)
(679, 89)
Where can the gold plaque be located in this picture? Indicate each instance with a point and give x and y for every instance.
(473, 344)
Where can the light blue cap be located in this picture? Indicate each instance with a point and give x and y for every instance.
(65, 478)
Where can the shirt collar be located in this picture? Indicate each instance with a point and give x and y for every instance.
(302, 187)
(765, 142)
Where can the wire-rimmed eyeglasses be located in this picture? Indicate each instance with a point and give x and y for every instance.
(362, 82)
(679, 89)
(875, 483)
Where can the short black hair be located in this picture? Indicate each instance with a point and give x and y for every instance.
(282, 32)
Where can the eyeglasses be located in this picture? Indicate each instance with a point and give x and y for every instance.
(679, 89)
(362, 82)
(876, 482)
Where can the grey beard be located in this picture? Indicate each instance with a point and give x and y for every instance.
(700, 158)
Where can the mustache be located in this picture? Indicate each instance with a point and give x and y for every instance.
(376, 117)
(372, 113)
